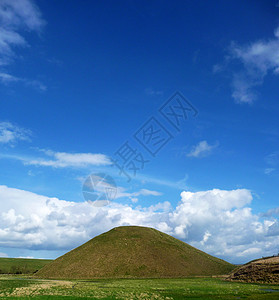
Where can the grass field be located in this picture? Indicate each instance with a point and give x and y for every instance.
(19, 287)
(21, 265)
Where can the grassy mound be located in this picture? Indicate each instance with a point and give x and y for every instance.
(21, 265)
(264, 270)
(134, 252)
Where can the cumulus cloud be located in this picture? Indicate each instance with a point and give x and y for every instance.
(258, 59)
(10, 133)
(217, 221)
(201, 149)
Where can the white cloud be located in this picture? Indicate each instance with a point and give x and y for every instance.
(121, 192)
(271, 212)
(258, 59)
(3, 254)
(36, 84)
(217, 221)
(268, 171)
(17, 18)
(8, 39)
(218, 68)
(206, 236)
(242, 88)
(10, 133)
(272, 159)
(152, 92)
(23, 13)
(145, 192)
(201, 149)
(63, 160)
(251, 251)
(179, 184)
(160, 206)
(6, 78)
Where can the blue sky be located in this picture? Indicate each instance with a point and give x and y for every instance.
(79, 79)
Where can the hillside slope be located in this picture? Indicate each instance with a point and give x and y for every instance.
(264, 270)
(135, 252)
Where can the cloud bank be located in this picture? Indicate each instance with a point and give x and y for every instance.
(217, 221)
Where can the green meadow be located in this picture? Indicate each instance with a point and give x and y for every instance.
(24, 287)
(21, 265)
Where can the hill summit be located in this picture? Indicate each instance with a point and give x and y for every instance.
(134, 252)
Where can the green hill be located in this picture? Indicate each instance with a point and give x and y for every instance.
(21, 265)
(134, 252)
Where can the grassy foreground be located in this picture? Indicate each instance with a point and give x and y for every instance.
(16, 287)
(21, 265)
